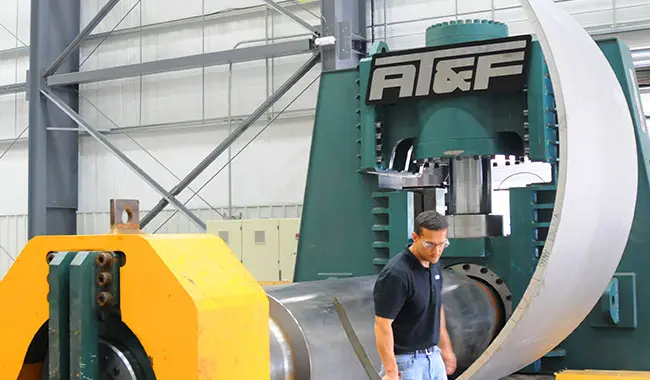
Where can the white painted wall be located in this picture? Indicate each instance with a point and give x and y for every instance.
(271, 171)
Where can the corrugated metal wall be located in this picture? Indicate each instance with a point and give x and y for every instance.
(171, 222)
(13, 228)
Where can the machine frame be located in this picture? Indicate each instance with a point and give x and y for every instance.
(351, 226)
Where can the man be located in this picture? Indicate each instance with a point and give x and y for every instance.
(410, 329)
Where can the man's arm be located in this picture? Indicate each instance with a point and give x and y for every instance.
(389, 295)
(444, 343)
(385, 345)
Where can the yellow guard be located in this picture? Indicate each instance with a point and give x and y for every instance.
(194, 307)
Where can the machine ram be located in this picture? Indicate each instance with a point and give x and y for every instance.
(403, 132)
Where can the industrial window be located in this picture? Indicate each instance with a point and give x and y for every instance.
(260, 237)
(225, 236)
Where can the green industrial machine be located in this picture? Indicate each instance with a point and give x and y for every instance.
(418, 129)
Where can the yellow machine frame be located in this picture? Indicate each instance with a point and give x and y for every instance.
(194, 307)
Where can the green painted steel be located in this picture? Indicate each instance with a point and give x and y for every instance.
(84, 324)
(336, 234)
(367, 138)
(84, 303)
(350, 227)
(390, 225)
(59, 305)
(475, 125)
(456, 32)
(358, 138)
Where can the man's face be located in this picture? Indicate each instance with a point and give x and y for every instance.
(430, 244)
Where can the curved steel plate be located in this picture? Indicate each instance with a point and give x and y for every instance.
(598, 166)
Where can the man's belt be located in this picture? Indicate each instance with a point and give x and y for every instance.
(424, 351)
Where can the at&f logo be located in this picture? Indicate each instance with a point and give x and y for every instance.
(498, 65)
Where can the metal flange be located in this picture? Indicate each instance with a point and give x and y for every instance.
(488, 277)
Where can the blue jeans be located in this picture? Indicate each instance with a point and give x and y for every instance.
(420, 366)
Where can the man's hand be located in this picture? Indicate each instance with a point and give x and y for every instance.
(391, 376)
(446, 351)
(449, 358)
(385, 345)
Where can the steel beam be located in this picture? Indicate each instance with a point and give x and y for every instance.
(13, 88)
(345, 20)
(225, 15)
(292, 16)
(21, 87)
(223, 146)
(74, 44)
(14, 52)
(279, 49)
(124, 158)
(53, 155)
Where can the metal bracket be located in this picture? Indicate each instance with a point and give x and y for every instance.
(617, 307)
(378, 47)
(609, 303)
(344, 40)
(125, 207)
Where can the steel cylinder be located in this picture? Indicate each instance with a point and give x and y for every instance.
(308, 341)
(467, 189)
(456, 32)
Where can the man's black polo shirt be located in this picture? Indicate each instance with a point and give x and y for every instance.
(410, 294)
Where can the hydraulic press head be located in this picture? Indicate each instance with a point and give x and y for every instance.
(441, 114)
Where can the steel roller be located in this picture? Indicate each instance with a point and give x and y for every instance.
(308, 341)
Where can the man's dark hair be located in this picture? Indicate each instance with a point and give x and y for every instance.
(431, 220)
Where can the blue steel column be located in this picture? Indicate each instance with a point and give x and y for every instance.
(346, 20)
(53, 155)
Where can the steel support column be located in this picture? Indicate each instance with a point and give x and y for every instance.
(53, 155)
(345, 20)
(72, 46)
(250, 120)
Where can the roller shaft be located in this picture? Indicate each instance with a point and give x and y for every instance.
(308, 341)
